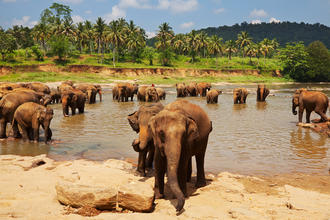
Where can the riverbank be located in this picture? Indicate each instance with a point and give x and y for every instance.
(28, 191)
(104, 74)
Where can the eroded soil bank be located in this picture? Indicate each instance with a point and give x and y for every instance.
(28, 192)
(182, 72)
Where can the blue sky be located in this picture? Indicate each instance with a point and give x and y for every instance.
(182, 15)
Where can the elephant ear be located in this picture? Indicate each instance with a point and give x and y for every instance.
(133, 121)
(192, 130)
(152, 125)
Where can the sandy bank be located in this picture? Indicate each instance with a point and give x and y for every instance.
(27, 191)
(108, 71)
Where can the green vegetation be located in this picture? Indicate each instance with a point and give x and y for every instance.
(121, 44)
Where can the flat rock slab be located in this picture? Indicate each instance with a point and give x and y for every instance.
(107, 186)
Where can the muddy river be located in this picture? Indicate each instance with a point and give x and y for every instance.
(251, 138)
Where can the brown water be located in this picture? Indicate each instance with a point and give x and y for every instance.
(252, 138)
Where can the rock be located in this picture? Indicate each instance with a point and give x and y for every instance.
(104, 186)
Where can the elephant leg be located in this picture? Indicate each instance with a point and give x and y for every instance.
(36, 134)
(308, 115)
(200, 170)
(301, 111)
(322, 114)
(25, 132)
(141, 162)
(16, 131)
(189, 170)
(81, 109)
(150, 157)
(160, 168)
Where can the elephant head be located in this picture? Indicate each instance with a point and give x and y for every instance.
(173, 133)
(181, 90)
(99, 91)
(237, 95)
(47, 99)
(91, 94)
(262, 93)
(44, 116)
(295, 99)
(67, 100)
(151, 95)
(122, 93)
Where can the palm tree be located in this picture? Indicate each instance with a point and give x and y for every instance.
(99, 30)
(81, 35)
(165, 36)
(266, 47)
(243, 40)
(89, 34)
(115, 37)
(251, 51)
(204, 41)
(194, 44)
(179, 43)
(41, 33)
(215, 47)
(230, 48)
(135, 43)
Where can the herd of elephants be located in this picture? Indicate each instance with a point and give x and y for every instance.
(168, 135)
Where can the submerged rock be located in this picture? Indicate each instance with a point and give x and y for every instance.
(105, 186)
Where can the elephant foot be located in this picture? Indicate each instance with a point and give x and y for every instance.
(3, 136)
(200, 184)
(158, 195)
(140, 173)
(180, 205)
(17, 135)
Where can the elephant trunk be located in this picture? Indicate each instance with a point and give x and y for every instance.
(65, 107)
(173, 159)
(261, 95)
(48, 133)
(89, 96)
(143, 137)
(294, 106)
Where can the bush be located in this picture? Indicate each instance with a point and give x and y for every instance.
(61, 47)
(37, 52)
(318, 62)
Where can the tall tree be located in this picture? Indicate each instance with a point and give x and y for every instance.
(7, 43)
(242, 41)
(194, 44)
(115, 37)
(99, 30)
(165, 36)
(230, 48)
(215, 47)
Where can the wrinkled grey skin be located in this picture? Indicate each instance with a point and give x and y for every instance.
(139, 122)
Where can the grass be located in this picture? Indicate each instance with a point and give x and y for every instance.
(222, 63)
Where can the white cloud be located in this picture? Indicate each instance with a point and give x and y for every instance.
(274, 20)
(178, 5)
(24, 21)
(256, 22)
(258, 13)
(88, 12)
(187, 25)
(76, 19)
(115, 14)
(71, 1)
(7, 1)
(134, 4)
(150, 34)
(219, 11)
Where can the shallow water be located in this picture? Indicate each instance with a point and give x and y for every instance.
(251, 138)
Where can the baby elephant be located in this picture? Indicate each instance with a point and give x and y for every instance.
(29, 116)
(212, 96)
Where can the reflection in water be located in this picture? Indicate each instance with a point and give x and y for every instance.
(261, 105)
(304, 145)
(251, 138)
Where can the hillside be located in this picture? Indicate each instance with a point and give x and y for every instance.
(284, 32)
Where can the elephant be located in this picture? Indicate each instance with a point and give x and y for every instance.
(203, 87)
(192, 89)
(38, 87)
(11, 86)
(8, 105)
(55, 96)
(179, 131)
(73, 98)
(151, 94)
(89, 90)
(240, 95)
(139, 123)
(161, 93)
(262, 93)
(311, 101)
(68, 82)
(181, 90)
(122, 92)
(212, 96)
(64, 87)
(29, 116)
(132, 89)
(99, 91)
(141, 95)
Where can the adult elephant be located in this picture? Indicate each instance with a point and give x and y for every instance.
(212, 96)
(151, 94)
(192, 89)
(240, 95)
(11, 86)
(181, 90)
(141, 95)
(99, 91)
(203, 87)
(262, 93)
(8, 105)
(89, 90)
(161, 93)
(64, 87)
(132, 89)
(311, 101)
(139, 123)
(74, 99)
(29, 116)
(38, 87)
(179, 132)
(55, 96)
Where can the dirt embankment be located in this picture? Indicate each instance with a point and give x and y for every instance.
(129, 71)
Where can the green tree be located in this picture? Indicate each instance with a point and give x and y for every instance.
(295, 59)
(267, 47)
(149, 53)
(165, 36)
(242, 41)
(230, 48)
(81, 35)
(88, 27)
(318, 62)
(99, 30)
(7, 44)
(60, 46)
(215, 47)
(115, 37)
(251, 51)
(194, 44)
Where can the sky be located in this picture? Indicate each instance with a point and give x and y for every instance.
(182, 15)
